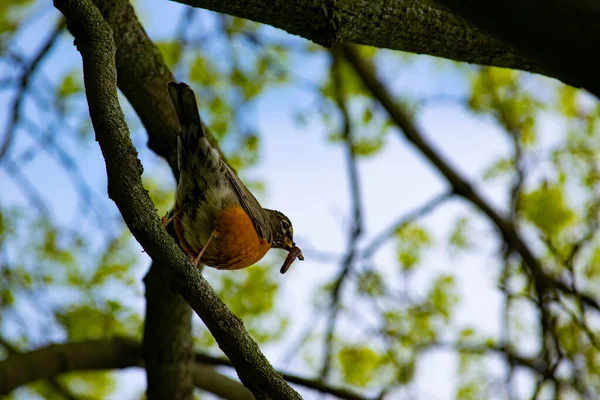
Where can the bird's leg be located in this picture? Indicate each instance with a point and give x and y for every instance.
(165, 221)
(210, 238)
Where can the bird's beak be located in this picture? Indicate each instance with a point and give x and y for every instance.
(289, 244)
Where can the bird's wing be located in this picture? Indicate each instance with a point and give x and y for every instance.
(250, 205)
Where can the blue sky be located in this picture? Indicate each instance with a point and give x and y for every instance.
(306, 178)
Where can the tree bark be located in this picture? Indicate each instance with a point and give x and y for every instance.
(564, 35)
(142, 76)
(555, 38)
(168, 346)
(20, 369)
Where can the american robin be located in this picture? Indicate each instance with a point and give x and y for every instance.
(217, 219)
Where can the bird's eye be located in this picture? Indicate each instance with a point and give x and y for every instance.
(285, 225)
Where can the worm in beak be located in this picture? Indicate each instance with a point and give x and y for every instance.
(294, 253)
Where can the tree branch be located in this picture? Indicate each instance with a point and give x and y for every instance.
(95, 42)
(357, 214)
(167, 345)
(535, 364)
(209, 380)
(429, 27)
(24, 81)
(142, 76)
(409, 25)
(560, 34)
(52, 381)
(308, 383)
(120, 353)
(406, 219)
(20, 369)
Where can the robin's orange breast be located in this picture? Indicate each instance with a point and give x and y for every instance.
(236, 245)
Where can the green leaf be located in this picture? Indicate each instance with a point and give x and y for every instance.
(591, 269)
(257, 288)
(358, 364)
(499, 168)
(11, 14)
(367, 115)
(88, 383)
(162, 197)
(70, 84)
(7, 298)
(2, 226)
(371, 284)
(405, 372)
(567, 101)
(443, 296)
(250, 294)
(411, 240)
(367, 146)
(353, 86)
(467, 333)
(84, 322)
(547, 208)
(118, 271)
(459, 237)
(171, 52)
(203, 72)
(52, 250)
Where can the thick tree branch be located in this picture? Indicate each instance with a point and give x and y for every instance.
(142, 76)
(95, 42)
(560, 48)
(415, 26)
(48, 362)
(560, 34)
(459, 184)
(52, 381)
(120, 353)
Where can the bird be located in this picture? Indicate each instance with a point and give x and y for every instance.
(217, 220)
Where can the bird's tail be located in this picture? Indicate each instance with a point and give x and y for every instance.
(196, 158)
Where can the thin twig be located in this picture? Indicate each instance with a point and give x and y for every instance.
(317, 385)
(535, 364)
(27, 188)
(356, 227)
(24, 81)
(404, 220)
